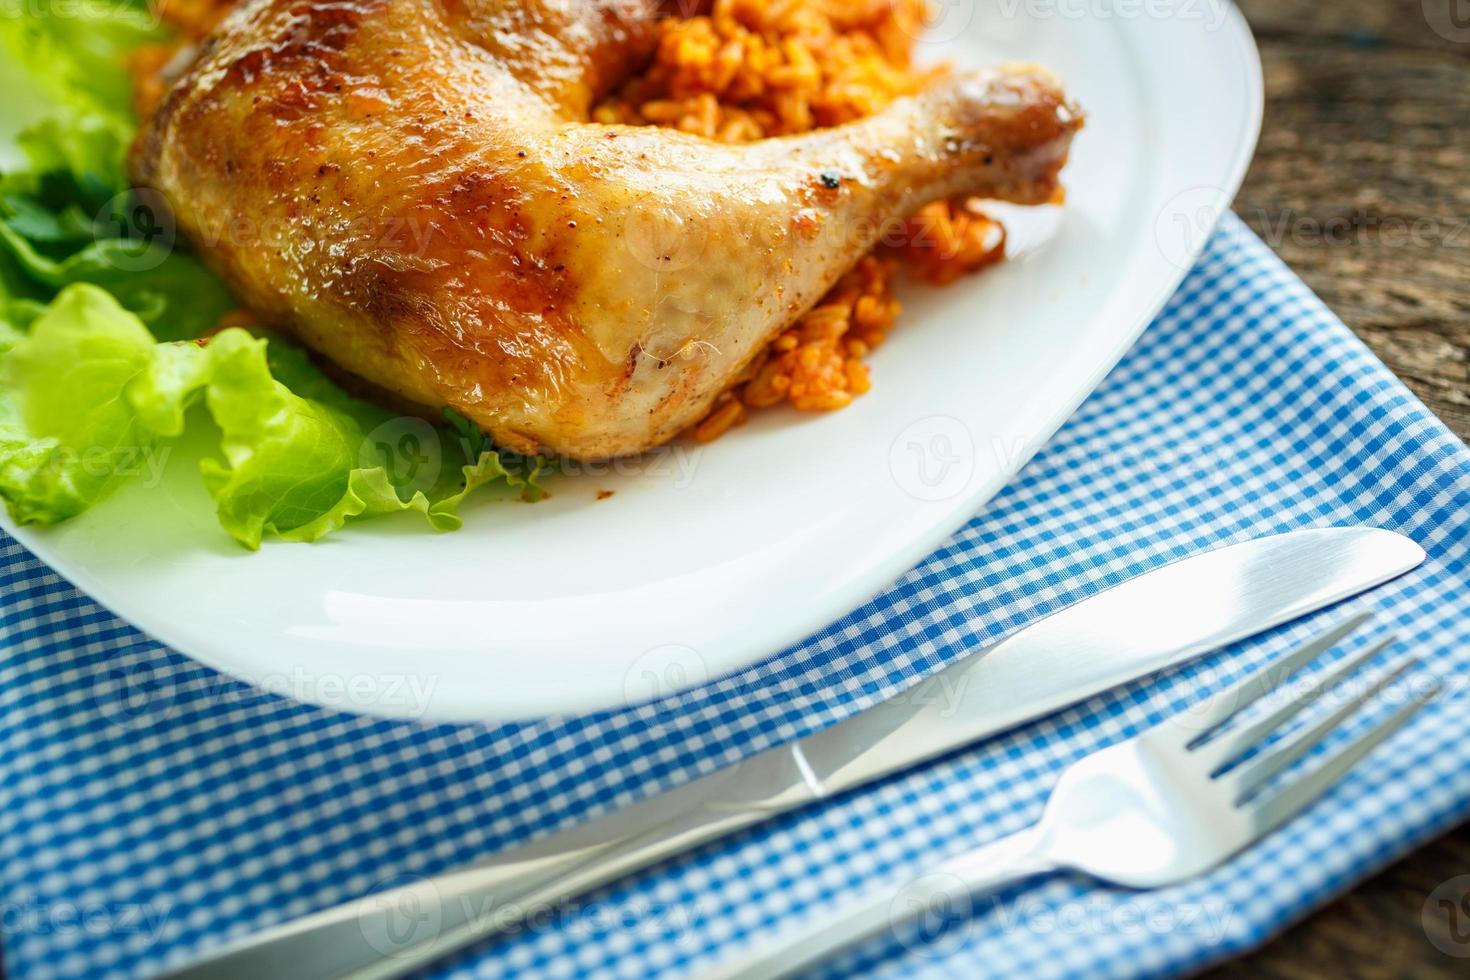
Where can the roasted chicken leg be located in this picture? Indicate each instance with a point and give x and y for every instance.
(413, 189)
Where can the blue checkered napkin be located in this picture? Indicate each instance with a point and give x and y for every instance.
(151, 809)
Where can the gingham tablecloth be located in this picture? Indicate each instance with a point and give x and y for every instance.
(150, 808)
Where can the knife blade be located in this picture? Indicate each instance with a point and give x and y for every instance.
(1160, 619)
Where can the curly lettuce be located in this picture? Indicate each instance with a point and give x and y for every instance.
(88, 391)
(103, 320)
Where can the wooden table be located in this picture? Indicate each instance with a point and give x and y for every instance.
(1362, 184)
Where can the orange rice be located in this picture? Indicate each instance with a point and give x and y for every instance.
(746, 70)
(751, 69)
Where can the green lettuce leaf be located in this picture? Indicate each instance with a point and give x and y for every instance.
(73, 54)
(67, 215)
(99, 306)
(169, 289)
(88, 391)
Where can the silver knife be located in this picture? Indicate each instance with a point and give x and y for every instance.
(1158, 620)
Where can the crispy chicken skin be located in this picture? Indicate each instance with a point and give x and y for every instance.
(412, 188)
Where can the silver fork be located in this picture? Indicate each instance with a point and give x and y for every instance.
(1155, 810)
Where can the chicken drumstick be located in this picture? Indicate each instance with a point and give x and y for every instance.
(412, 188)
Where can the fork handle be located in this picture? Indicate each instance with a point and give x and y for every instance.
(942, 893)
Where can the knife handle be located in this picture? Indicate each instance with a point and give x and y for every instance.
(396, 931)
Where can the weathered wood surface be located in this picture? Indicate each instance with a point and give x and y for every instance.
(1362, 181)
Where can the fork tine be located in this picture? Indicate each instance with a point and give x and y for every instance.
(1240, 695)
(1252, 775)
(1275, 811)
(1219, 751)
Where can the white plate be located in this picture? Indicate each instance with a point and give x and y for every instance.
(708, 560)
